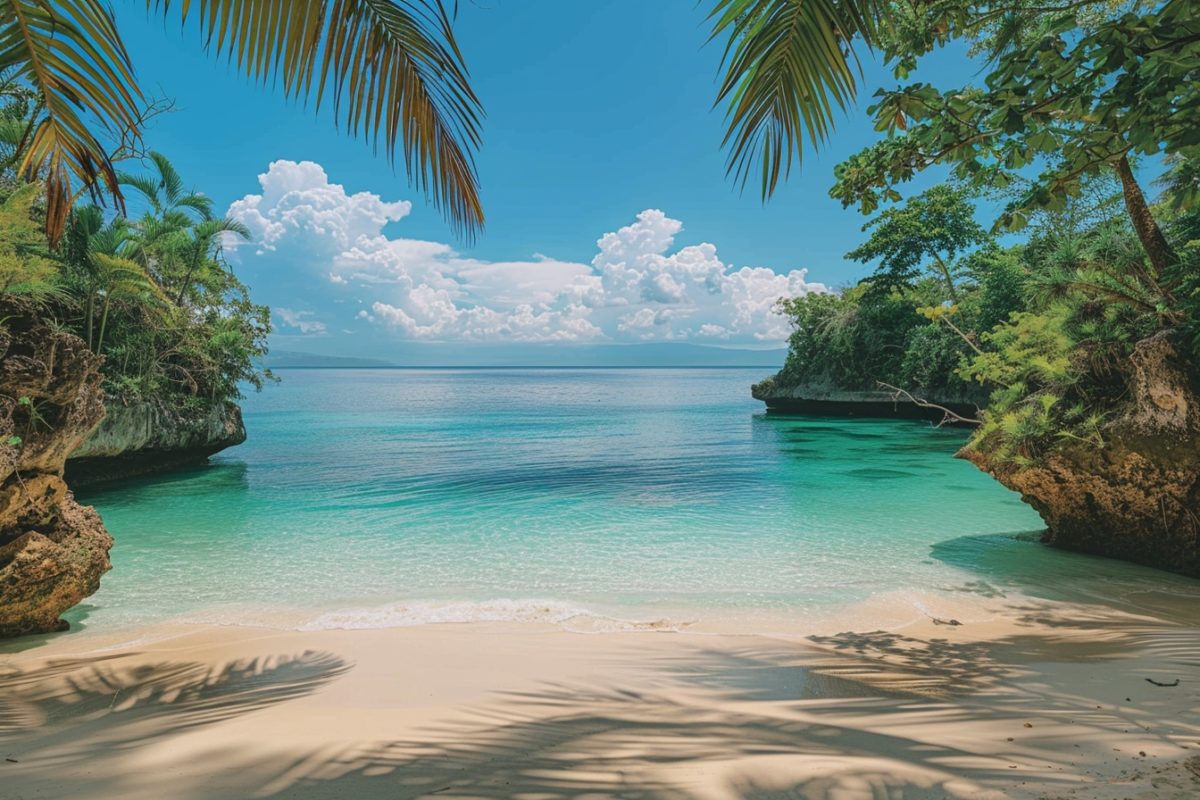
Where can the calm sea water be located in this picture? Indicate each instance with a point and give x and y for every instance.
(370, 498)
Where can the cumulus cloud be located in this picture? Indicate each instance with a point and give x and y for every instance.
(302, 321)
(638, 287)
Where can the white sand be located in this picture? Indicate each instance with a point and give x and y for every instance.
(1041, 700)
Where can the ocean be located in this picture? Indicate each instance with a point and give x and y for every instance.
(593, 499)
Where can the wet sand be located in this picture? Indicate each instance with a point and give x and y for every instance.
(1041, 699)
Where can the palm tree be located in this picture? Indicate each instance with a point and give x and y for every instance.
(178, 237)
(164, 190)
(394, 74)
(390, 68)
(790, 66)
(202, 246)
(109, 273)
(119, 278)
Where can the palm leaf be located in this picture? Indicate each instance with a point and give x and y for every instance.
(789, 68)
(164, 190)
(145, 185)
(209, 229)
(168, 177)
(121, 276)
(390, 68)
(71, 55)
(201, 204)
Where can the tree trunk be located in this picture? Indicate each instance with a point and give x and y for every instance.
(945, 270)
(91, 308)
(103, 324)
(1151, 236)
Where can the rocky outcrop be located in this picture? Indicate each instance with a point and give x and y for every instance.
(52, 550)
(824, 400)
(1137, 497)
(147, 437)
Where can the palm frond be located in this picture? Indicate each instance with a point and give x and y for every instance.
(390, 68)
(113, 239)
(211, 228)
(789, 68)
(123, 277)
(169, 179)
(145, 185)
(201, 204)
(70, 53)
(165, 192)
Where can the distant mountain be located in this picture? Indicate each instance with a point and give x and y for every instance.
(277, 359)
(665, 354)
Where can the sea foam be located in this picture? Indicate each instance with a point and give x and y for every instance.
(547, 612)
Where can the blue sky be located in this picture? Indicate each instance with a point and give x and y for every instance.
(599, 125)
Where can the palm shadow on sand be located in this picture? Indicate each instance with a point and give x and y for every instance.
(95, 710)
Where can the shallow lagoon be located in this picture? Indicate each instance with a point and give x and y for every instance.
(371, 498)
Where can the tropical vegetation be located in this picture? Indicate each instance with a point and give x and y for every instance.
(1073, 94)
(1040, 309)
(150, 292)
(390, 69)
(132, 260)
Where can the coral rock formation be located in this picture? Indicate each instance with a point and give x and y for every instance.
(52, 550)
(1137, 497)
(149, 437)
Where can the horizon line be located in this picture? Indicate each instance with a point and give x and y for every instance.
(523, 366)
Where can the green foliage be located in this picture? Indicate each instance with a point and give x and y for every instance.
(25, 265)
(933, 355)
(1043, 329)
(1075, 100)
(789, 69)
(1042, 396)
(1183, 178)
(69, 55)
(154, 296)
(849, 340)
(1003, 282)
(925, 235)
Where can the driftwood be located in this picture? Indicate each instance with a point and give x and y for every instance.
(948, 417)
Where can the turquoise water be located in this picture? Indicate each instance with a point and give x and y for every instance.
(368, 498)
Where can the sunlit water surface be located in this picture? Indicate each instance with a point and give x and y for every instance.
(589, 498)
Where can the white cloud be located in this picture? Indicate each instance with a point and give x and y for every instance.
(300, 320)
(637, 287)
(297, 198)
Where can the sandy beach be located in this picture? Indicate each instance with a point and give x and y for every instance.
(1041, 700)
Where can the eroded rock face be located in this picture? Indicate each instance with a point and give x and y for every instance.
(148, 437)
(816, 398)
(1138, 497)
(52, 550)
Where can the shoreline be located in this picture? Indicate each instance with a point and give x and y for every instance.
(1029, 703)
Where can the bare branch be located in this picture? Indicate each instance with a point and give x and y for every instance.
(961, 335)
(949, 417)
(127, 141)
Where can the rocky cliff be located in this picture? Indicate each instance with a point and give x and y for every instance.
(145, 437)
(822, 399)
(52, 550)
(1137, 497)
